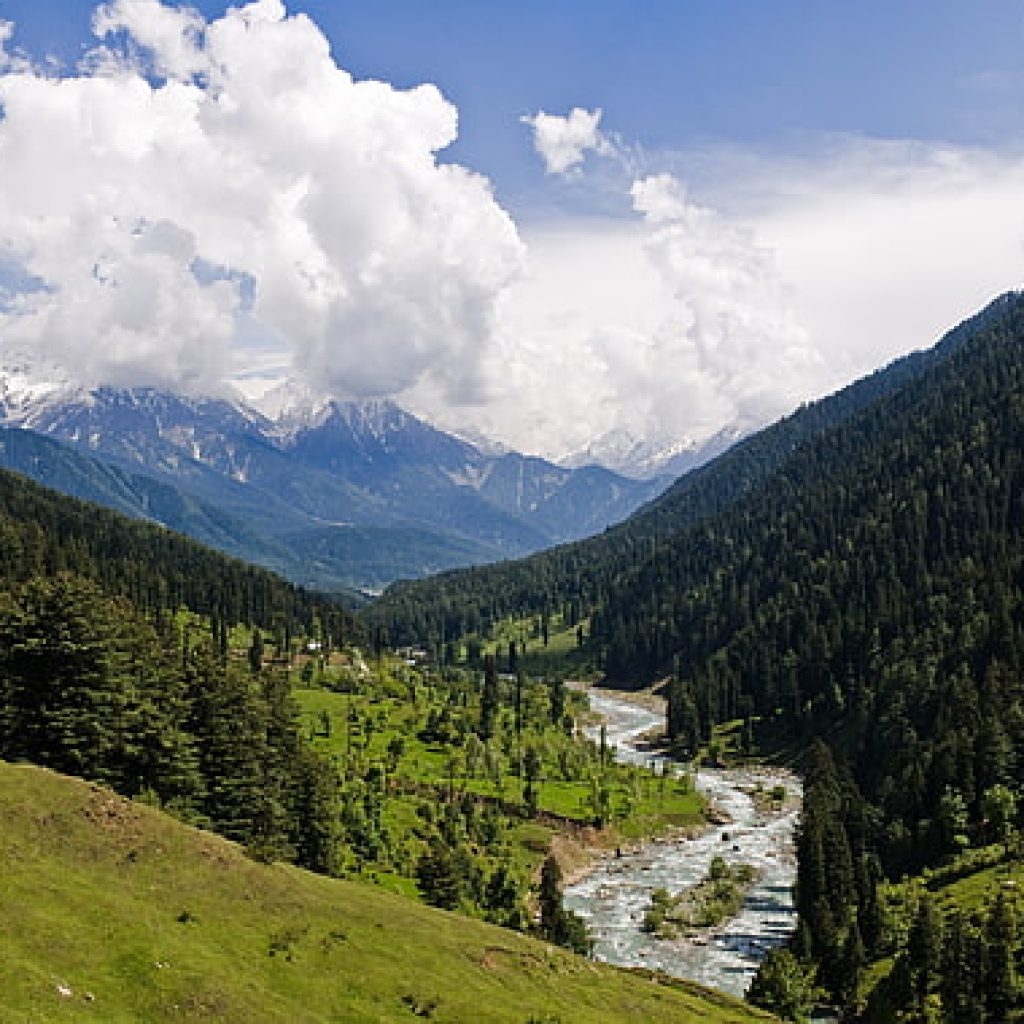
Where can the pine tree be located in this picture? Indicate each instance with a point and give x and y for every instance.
(558, 925)
(961, 984)
(1003, 990)
(489, 700)
(556, 692)
(256, 652)
(924, 949)
(785, 986)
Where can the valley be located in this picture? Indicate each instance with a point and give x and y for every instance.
(840, 594)
(341, 497)
(843, 590)
(511, 512)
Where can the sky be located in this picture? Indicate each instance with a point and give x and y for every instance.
(539, 222)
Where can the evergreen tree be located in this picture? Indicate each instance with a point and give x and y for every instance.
(557, 924)
(556, 693)
(256, 652)
(488, 700)
(784, 986)
(1003, 990)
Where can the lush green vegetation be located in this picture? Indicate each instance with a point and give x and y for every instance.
(447, 786)
(951, 943)
(232, 700)
(454, 784)
(114, 912)
(155, 709)
(716, 898)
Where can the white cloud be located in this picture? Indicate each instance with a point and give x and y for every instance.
(808, 272)
(171, 38)
(241, 145)
(748, 355)
(213, 200)
(563, 142)
(668, 326)
(660, 198)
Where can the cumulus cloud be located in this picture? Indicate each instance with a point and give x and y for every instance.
(563, 142)
(170, 38)
(749, 355)
(199, 184)
(794, 274)
(668, 326)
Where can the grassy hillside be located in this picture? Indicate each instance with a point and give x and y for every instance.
(114, 912)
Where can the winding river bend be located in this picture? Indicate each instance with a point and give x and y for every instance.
(612, 899)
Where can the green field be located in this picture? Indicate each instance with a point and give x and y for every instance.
(640, 805)
(114, 912)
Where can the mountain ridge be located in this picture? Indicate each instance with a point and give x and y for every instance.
(573, 574)
(418, 500)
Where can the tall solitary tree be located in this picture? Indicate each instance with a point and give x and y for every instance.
(489, 700)
(558, 925)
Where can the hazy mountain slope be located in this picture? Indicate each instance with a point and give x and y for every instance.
(579, 573)
(44, 533)
(358, 468)
(65, 469)
(564, 504)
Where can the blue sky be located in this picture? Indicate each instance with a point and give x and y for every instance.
(672, 75)
(775, 198)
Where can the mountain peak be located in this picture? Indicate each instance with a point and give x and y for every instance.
(294, 407)
(644, 459)
(25, 387)
(357, 490)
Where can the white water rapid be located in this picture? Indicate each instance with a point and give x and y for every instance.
(612, 899)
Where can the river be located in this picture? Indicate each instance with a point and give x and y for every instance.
(613, 897)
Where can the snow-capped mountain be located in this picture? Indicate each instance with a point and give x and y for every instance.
(24, 389)
(361, 492)
(621, 452)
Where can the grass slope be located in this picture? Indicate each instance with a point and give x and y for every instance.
(113, 912)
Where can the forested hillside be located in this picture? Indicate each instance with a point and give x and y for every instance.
(877, 581)
(575, 578)
(43, 533)
(114, 666)
(867, 591)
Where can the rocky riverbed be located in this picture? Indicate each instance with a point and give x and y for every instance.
(613, 896)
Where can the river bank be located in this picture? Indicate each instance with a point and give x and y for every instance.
(612, 892)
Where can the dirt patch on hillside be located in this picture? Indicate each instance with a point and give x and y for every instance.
(118, 826)
(112, 812)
